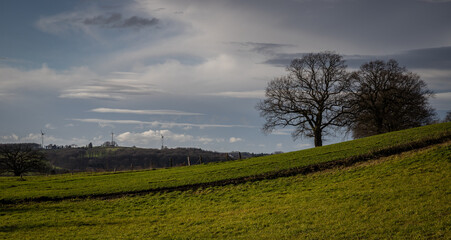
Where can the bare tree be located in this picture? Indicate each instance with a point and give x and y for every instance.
(21, 158)
(388, 98)
(311, 98)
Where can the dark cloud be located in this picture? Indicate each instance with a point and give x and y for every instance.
(437, 1)
(262, 48)
(283, 59)
(115, 20)
(104, 21)
(355, 26)
(427, 58)
(138, 22)
(435, 58)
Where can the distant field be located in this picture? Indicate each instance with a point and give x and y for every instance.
(86, 184)
(405, 196)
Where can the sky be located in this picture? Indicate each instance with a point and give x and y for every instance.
(193, 71)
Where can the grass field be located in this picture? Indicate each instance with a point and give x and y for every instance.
(88, 184)
(406, 196)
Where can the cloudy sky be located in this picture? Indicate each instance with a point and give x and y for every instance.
(192, 71)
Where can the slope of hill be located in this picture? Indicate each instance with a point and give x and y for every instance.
(404, 196)
(42, 188)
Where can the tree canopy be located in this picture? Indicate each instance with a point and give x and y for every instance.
(311, 97)
(387, 98)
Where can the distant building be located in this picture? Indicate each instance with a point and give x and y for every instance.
(110, 144)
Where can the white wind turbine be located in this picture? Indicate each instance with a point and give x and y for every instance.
(42, 138)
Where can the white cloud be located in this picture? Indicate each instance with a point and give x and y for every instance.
(279, 145)
(145, 112)
(75, 83)
(33, 137)
(235, 139)
(29, 138)
(49, 126)
(110, 88)
(436, 79)
(441, 101)
(214, 75)
(42, 79)
(153, 137)
(219, 72)
(73, 93)
(124, 73)
(50, 139)
(446, 96)
(258, 94)
(157, 123)
(13, 138)
(143, 137)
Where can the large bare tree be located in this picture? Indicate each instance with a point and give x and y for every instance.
(387, 98)
(312, 97)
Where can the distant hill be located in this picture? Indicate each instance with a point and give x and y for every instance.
(128, 158)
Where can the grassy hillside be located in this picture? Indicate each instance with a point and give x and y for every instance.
(406, 196)
(68, 186)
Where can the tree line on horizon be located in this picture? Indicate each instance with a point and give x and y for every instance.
(319, 96)
(20, 158)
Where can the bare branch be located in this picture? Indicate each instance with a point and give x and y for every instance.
(387, 98)
(309, 98)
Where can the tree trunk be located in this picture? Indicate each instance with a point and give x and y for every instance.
(318, 137)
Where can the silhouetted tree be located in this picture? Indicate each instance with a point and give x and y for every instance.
(311, 98)
(388, 98)
(22, 158)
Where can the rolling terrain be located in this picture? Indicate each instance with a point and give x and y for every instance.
(395, 185)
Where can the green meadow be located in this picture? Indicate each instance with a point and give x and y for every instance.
(405, 196)
(401, 196)
(92, 184)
